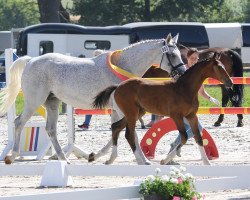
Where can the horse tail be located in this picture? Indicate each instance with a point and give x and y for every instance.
(101, 100)
(9, 93)
(237, 72)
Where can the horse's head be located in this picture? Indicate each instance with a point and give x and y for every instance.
(219, 71)
(173, 61)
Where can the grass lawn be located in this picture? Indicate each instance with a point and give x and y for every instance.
(215, 92)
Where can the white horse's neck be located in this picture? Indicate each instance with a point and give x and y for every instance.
(139, 57)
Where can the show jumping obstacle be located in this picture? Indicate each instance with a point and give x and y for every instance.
(158, 130)
(165, 126)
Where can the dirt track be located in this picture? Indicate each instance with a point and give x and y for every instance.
(233, 144)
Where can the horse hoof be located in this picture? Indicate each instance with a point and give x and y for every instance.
(7, 160)
(216, 124)
(240, 124)
(206, 162)
(108, 162)
(148, 163)
(68, 162)
(162, 162)
(54, 157)
(91, 157)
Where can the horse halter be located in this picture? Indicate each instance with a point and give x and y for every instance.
(175, 73)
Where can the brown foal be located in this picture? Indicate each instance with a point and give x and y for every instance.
(176, 99)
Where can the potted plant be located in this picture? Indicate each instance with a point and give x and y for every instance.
(173, 186)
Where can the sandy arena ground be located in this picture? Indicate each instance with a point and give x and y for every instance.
(233, 144)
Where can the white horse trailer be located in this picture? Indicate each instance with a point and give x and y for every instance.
(73, 44)
(70, 39)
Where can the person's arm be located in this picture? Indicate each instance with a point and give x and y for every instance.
(204, 93)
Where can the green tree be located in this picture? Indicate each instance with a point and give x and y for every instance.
(181, 10)
(216, 11)
(110, 12)
(224, 11)
(200, 11)
(52, 11)
(18, 13)
(247, 12)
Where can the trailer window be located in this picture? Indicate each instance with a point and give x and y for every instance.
(246, 36)
(46, 47)
(97, 44)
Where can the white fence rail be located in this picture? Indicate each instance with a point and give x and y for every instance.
(221, 178)
(96, 194)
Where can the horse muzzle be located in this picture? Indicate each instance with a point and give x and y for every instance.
(178, 71)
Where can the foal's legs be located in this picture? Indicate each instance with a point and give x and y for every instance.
(133, 141)
(118, 123)
(193, 121)
(182, 131)
(132, 116)
(142, 123)
(52, 105)
(116, 129)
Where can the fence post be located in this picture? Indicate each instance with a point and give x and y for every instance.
(72, 147)
(11, 114)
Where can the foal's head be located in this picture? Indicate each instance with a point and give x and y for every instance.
(219, 72)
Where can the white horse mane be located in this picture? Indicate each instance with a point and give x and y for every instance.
(141, 42)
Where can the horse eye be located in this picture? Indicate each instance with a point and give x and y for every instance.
(221, 66)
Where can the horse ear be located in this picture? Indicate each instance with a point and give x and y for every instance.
(175, 38)
(168, 38)
(219, 55)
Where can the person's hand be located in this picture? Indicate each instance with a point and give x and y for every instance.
(215, 101)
